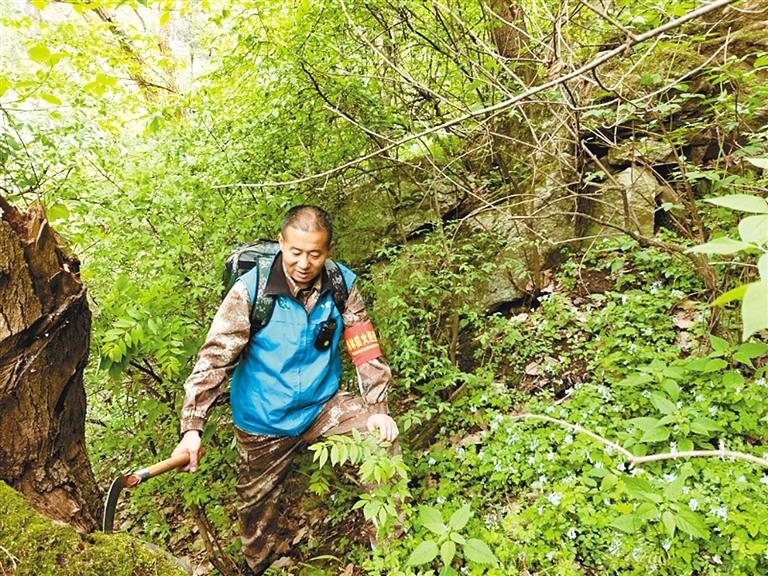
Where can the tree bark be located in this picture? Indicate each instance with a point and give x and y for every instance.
(44, 335)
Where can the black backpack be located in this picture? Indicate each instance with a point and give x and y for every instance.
(260, 254)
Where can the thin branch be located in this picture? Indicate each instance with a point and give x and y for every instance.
(633, 460)
(603, 58)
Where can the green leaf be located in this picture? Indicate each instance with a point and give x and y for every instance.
(718, 344)
(165, 17)
(742, 202)
(671, 387)
(478, 551)
(57, 212)
(752, 350)
(668, 519)
(644, 423)
(759, 162)
(723, 245)
(424, 552)
(754, 308)
(460, 518)
(432, 520)
(39, 4)
(663, 404)
(704, 425)
(754, 229)
(657, 434)
(690, 523)
(50, 98)
(458, 538)
(447, 552)
(762, 266)
(39, 53)
(641, 488)
(5, 84)
(735, 294)
(628, 523)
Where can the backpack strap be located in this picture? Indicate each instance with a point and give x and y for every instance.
(339, 290)
(263, 305)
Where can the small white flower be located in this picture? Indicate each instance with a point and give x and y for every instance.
(531, 460)
(460, 451)
(549, 555)
(760, 382)
(431, 462)
(721, 512)
(673, 447)
(686, 490)
(679, 404)
(693, 504)
(645, 394)
(554, 498)
(699, 397)
(568, 439)
(571, 533)
(741, 479)
(716, 559)
(667, 544)
(440, 500)
(483, 399)
(669, 478)
(621, 467)
(764, 480)
(497, 468)
(713, 410)
(615, 547)
(473, 409)
(676, 293)
(550, 456)
(655, 287)
(624, 298)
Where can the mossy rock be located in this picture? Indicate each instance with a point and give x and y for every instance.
(33, 545)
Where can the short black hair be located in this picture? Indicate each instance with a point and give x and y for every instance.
(308, 218)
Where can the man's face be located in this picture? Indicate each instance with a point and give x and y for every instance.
(304, 254)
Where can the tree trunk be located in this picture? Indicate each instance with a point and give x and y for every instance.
(44, 334)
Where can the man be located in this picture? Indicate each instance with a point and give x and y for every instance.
(285, 378)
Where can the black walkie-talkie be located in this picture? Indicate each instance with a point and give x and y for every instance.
(325, 336)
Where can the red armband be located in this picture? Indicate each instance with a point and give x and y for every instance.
(362, 344)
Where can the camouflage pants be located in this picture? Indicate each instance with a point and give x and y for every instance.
(263, 463)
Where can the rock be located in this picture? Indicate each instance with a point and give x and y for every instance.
(640, 187)
(644, 151)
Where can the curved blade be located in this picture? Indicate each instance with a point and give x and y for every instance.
(109, 506)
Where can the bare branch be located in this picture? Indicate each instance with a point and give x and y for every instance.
(603, 58)
(633, 460)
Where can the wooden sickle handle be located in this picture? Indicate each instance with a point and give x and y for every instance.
(159, 468)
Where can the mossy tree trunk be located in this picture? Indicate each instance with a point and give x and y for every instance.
(44, 334)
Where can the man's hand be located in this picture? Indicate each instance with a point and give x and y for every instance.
(190, 443)
(385, 425)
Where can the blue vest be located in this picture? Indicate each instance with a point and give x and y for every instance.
(282, 381)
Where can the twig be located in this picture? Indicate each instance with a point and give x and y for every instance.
(14, 560)
(218, 557)
(633, 460)
(623, 48)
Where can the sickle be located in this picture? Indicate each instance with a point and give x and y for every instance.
(131, 480)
